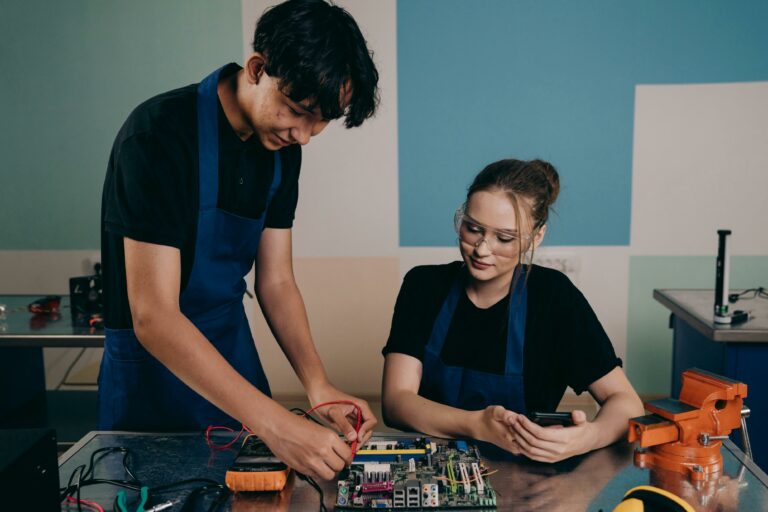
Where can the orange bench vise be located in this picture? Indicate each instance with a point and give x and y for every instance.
(685, 435)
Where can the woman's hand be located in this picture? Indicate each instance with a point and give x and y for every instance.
(493, 425)
(554, 443)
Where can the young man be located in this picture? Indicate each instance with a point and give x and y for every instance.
(202, 181)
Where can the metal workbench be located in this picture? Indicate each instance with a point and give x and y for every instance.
(20, 328)
(739, 352)
(695, 307)
(593, 482)
(22, 338)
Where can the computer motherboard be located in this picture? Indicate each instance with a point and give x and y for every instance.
(415, 473)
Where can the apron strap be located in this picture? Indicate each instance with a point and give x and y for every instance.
(518, 309)
(518, 302)
(208, 140)
(443, 321)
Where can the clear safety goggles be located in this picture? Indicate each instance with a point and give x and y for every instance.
(501, 242)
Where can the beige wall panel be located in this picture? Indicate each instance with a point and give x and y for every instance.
(39, 272)
(348, 196)
(350, 303)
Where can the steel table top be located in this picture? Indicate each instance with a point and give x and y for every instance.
(20, 328)
(696, 307)
(594, 482)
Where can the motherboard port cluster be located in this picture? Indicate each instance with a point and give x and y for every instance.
(415, 473)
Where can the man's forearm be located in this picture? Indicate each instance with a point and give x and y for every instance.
(187, 353)
(283, 307)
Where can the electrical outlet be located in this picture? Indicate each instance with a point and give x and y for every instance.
(565, 262)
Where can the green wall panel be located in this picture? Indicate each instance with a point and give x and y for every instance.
(649, 340)
(71, 73)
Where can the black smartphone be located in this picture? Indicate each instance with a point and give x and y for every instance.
(547, 419)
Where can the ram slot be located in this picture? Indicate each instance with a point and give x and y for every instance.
(478, 479)
(465, 478)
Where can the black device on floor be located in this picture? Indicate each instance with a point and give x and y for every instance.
(547, 419)
(29, 472)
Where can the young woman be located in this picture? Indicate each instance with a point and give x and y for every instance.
(477, 344)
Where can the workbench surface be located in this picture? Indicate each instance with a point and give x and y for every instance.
(20, 328)
(594, 482)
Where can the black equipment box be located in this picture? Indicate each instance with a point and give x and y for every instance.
(85, 297)
(29, 472)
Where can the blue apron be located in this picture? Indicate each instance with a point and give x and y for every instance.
(136, 391)
(469, 389)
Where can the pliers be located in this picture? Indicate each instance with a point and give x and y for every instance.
(121, 499)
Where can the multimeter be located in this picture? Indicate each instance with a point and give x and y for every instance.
(256, 469)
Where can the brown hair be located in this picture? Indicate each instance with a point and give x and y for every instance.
(534, 181)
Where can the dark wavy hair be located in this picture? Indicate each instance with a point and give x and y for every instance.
(315, 50)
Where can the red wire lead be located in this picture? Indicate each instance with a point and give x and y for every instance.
(212, 428)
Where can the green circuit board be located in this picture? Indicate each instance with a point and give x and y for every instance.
(415, 474)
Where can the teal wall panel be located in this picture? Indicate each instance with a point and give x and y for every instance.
(649, 339)
(71, 73)
(480, 81)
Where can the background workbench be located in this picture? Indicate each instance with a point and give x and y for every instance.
(739, 352)
(24, 401)
(593, 482)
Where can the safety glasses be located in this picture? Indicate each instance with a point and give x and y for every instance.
(501, 242)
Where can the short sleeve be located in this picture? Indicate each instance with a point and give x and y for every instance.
(147, 193)
(588, 350)
(410, 325)
(282, 209)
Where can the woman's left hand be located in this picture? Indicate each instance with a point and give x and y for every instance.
(553, 443)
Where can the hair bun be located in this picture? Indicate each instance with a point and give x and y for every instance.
(552, 177)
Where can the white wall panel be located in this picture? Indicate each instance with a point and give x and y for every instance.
(699, 164)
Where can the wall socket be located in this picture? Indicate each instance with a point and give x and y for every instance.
(566, 262)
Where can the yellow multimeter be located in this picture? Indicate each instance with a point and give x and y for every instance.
(256, 469)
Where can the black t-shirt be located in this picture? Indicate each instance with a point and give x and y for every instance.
(151, 191)
(565, 345)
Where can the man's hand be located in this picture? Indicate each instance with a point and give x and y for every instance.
(554, 443)
(343, 417)
(305, 446)
(493, 425)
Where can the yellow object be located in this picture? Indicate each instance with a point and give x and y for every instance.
(635, 500)
(404, 451)
(248, 481)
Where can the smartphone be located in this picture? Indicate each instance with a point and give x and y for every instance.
(547, 419)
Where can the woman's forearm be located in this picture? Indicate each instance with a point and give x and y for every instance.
(408, 410)
(612, 420)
